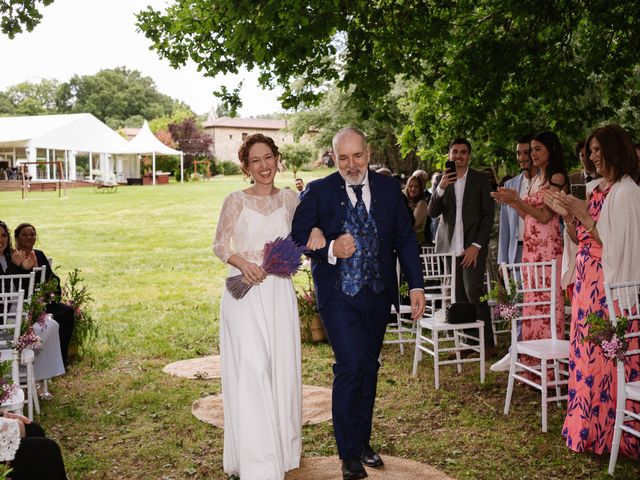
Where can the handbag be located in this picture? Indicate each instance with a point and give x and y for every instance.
(461, 312)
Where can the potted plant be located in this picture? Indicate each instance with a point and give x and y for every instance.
(311, 328)
(85, 329)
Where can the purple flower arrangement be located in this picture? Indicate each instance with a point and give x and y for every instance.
(610, 338)
(281, 258)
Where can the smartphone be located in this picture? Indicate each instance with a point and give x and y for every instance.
(450, 167)
(579, 190)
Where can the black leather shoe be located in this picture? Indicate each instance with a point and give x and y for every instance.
(353, 470)
(370, 458)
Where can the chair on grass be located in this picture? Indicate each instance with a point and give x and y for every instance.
(440, 275)
(403, 329)
(535, 284)
(10, 320)
(625, 298)
(25, 282)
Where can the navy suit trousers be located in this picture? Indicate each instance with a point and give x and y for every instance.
(355, 327)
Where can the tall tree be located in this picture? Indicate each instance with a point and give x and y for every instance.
(115, 95)
(30, 98)
(19, 15)
(487, 69)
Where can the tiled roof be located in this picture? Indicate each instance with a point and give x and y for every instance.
(249, 123)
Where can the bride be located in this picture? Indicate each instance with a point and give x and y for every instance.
(259, 333)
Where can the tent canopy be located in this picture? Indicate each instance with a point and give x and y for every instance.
(146, 142)
(81, 132)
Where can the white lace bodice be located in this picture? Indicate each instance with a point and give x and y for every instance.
(247, 222)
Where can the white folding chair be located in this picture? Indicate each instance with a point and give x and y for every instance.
(11, 284)
(625, 298)
(19, 281)
(536, 284)
(440, 272)
(10, 320)
(403, 329)
(41, 273)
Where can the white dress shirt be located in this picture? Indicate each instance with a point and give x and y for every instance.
(457, 240)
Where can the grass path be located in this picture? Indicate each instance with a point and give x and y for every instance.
(146, 255)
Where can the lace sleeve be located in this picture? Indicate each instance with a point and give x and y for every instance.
(291, 201)
(231, 208)
(9, 439)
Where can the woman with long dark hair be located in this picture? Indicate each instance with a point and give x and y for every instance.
(542, 238)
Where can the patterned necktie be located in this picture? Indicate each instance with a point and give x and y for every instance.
(361, 210)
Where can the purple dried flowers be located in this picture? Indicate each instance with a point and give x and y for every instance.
(281, 258)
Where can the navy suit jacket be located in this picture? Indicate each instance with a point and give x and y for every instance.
(323, 204)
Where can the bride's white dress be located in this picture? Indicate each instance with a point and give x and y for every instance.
(259, 345)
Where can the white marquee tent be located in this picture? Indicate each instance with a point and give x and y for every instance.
(49, 138)
(145, 142)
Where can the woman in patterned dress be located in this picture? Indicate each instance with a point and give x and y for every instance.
(606, 228)
(542, 240)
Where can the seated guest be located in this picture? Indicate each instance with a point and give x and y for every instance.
(6, 266)
(414, 192)
(36, 456)
(26, 258)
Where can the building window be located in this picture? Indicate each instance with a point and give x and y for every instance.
(230, 137)
(244, 136)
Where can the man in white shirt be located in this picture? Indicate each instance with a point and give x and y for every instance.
(463, 200)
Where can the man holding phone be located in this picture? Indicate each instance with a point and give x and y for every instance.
(464, 201)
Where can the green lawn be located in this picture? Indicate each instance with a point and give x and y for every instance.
(146, 255)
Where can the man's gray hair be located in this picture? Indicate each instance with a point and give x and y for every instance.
(344, 131)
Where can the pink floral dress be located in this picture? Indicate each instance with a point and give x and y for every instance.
(542, 242)
(591, 409)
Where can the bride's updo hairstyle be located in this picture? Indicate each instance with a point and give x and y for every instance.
(250, 141)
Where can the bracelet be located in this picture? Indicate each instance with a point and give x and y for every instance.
(589, 230)
(573, 220)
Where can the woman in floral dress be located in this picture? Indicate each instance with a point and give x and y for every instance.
(602, 229)
(542, 239)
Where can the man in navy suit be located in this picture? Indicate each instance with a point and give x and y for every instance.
(364, 218)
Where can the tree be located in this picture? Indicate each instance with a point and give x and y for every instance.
(191, 138)
(29, 98)
(18, 15)
(295, 155)
(484, 69)
(115, 95)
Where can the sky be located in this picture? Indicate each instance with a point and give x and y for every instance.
(85, 36)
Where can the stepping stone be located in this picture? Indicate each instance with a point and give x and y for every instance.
(316, 407)
(203, 368)
(395, 468)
